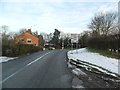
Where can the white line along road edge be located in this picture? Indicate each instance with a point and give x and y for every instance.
(23, 68)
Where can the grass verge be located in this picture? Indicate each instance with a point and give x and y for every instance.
(105, 53)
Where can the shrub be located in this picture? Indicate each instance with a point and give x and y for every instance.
(18, 49)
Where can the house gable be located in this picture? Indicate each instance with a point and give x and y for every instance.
(27, 38)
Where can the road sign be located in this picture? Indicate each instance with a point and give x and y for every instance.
(74, 38)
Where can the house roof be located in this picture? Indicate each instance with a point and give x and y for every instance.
(28, 31)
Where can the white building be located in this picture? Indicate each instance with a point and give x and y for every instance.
(47, 37)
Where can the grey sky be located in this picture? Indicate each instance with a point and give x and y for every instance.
(45, 16)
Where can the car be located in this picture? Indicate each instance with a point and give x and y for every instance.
(51, 48)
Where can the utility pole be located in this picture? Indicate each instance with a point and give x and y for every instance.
(62, 45)
(72, 46)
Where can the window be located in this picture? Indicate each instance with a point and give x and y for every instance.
(29, 40)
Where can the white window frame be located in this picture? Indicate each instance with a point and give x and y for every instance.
(28, 40)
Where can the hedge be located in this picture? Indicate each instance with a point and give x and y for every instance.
(18, 49)
(111, 42)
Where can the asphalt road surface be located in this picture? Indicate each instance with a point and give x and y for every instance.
(44, 69)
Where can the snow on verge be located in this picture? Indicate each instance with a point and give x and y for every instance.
(95, 60)
(78, 72)
(5, 59)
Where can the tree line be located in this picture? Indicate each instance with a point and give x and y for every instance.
(60, 42)
(104, 34)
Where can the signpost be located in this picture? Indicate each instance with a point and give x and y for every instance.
(74, 39)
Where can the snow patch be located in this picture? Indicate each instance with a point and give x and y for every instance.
(5, 59)
(94, 60)
(79, 86)
(71, 66)
(78, 72)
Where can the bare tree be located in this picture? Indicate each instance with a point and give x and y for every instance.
(103, 23)
(95, 25)
(22, 30)
(35, 33)
(4, 29)
(84, 38)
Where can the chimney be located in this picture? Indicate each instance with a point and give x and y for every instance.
(29, 31)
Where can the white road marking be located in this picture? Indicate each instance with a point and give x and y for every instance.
(37, 59)
(11, 75)
(23, 68)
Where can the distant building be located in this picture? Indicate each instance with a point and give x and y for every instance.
(27, 38)
(47, 37)
(75, 38)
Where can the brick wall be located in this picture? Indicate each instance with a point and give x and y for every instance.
(24, 37)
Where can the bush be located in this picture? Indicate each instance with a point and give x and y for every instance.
(26, 48)
(19, 49)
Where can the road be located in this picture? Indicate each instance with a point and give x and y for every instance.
(44, 69)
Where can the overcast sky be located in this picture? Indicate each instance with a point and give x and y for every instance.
(44, 16)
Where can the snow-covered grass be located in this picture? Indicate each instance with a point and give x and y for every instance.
(95, 60)
(5, 59)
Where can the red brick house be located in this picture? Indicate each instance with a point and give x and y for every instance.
(27, 38)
